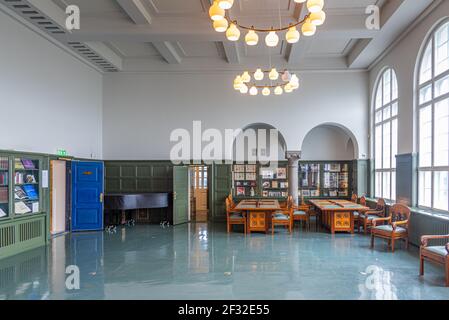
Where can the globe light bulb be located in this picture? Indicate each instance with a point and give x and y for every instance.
(225, 4)
(246, 77)
(315, 5)
(272, 39)
(252, 38)
(300, 1)
(233, 33)
(266, 91)
(308, 29)
(258, 75)
(253, 91)
(215, 12)
(244, 89)
(221, 25)
(273, 75)
(292, 35)
(238, 83)
(288, 88)
(318, 18)
(278, 91)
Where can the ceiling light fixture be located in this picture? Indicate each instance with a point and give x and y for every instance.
(285, 82)
(314, 18)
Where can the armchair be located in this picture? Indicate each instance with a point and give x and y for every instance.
(234, 217)
(367, 218)
(394, 227)
(283, 217)
(355, 198)
(436, 254)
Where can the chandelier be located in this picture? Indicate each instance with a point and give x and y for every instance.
(223, 23)
(280, 82)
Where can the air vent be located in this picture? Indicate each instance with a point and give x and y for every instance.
(7, 236)
(30, 230)
(39, 19)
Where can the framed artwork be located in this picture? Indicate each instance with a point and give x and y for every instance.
(251, 168)
(240, 191)
(239, 168)
(251, 176)
(281, 173)
(267, 174)
(239, 176)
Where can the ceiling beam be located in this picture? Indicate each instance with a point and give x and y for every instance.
(231, 50)
(396, 16)
(136, 11)
(51, 10)
(168, 52)
(106, 53)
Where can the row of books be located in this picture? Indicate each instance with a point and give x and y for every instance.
(3, 178)
(21, 178)
(4, 163)
(22, 164)
(274, 185)
(4, 194)
(274, 194)
(26, 192)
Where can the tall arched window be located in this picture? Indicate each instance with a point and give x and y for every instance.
(386, 135)
(433, 121)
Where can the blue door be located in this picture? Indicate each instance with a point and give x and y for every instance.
(87, 196)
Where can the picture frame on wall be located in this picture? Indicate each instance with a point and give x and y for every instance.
(251, 176)
(239, 168)
(241, 191)
(250, 168)
(281, 173)
(239, 176)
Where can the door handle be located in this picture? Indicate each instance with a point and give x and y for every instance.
(101, 197)
(174, 195)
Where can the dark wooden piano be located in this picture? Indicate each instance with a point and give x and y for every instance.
(117, 205)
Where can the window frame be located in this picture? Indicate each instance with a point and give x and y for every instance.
(431, 40)
(383, 106)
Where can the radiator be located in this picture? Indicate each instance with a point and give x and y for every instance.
(426, 224)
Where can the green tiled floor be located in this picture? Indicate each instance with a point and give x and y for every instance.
(199, 262)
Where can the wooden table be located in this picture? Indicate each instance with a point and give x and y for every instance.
(338, 215)
(258, 213)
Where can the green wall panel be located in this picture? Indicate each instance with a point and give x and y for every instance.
(222, 186)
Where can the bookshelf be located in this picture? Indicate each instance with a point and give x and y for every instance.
(325, 179)
(260, 181)
(26, 186)
(4, 187)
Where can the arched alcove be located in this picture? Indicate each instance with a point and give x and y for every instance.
(263, 149)
(329, 142)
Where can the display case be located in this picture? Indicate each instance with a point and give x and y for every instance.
(244, 177)
(4, 186)
(274, 182)
(26, 186)
(323, 179)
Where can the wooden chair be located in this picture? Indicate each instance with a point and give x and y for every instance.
(366, 219)
(301, 213)
(395, 226)
(283, 217)
(234, 217)
(355, 198)
(436, 254)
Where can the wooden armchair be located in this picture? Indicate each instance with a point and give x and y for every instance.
(436, 254)
(234, 217)
(394, 227)
(301, 213)
(283, 217)
(366, 219)
(355, 199)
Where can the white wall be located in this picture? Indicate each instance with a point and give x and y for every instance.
(48, 99)
(327, 142)
(403, 59)
(141, 110)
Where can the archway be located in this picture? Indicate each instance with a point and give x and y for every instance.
(329, 141)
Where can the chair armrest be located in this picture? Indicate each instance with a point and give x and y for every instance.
(399, 223)
(425, 239)
(380, 219)
(374, 212)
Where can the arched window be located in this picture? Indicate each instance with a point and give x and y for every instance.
(386, 135)
(433, 121)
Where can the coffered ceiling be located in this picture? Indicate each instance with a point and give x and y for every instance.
(177, 35)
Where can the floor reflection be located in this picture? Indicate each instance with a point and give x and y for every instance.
(200, 261)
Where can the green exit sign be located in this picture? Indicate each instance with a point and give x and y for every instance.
(62, 152)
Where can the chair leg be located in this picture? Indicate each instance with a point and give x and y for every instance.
(364, 227)
(406, 243)
(421, 265)
(229, 227)
(392, 245)
(372, 241)
(447, 272)
(272, 229)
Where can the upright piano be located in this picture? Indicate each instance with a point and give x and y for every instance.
(116, 205)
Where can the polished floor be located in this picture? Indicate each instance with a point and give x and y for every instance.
(198, 261)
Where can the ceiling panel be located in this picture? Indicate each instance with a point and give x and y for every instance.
(262, 50)
(177, 6)
(198, 49)
(134, 49)
(328, 47)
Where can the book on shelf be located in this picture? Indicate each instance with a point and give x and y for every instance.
(4, 194)
(241, 191)
(274, 185)
(30, 191)
(4, 163)
(19, 193)
(30, 178)
(18, 165)
(21, 208)
(266, 185)
(2, 213)
(3, 178)
(28, 164)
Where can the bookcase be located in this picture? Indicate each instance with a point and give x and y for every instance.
(325, 179)
(24, 201)
(260, 181)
